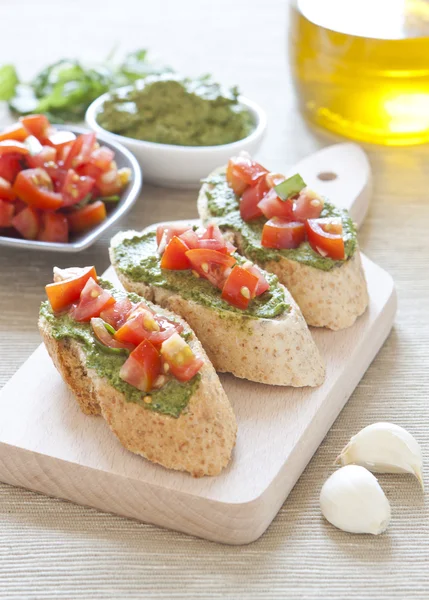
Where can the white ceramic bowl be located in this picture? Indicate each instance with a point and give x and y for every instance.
(180, 166)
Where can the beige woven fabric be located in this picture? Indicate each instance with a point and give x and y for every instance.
(53, 549)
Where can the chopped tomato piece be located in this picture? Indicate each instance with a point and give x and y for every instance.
(190, 238)
(6, 213)
(273, 179)
(37, 125)
(307, 206)
(13, 147)
(63, 293)
(142, 367)
(174, 256)
(75, 188)
(106, 338)
(272, 206)
(249, 208)
(165, 232)
(263, 284)
(87, 217)
(211, 264)
(212, 239)
(6, 191)
(240, 287)
(14, 132)
(113, 181)
(59, 139)
(117, 314)
(27, 223)
(242, 172)
(282, 234)
(46, 155)
(10, 166)
(93, 299)
(142, 324)
(102, 158)
(182, 361)
(325, 236)
(54, 228)
(80, 152)
(35, 187)
(89, 170)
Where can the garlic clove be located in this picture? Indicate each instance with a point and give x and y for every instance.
(352, 500)
(384, 448)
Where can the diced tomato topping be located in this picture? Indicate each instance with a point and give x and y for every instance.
(165, 232)
(89, 170)
(240, 287)
(46, 155)
(106, 338)
(174, 256)
(272, 206)
(63, 293)
(263, 284)
(273, 179)
(13, 147)
(307, 206)
(242, 172)
(93, 299)
(113, 181)
(142, 324)
(59, 139)
(35, 187)
(282, 234)
(75, 188)
(6, 191)
(10, 166)
(190, 238)
(102, 158)
(250, 199)
(6, 213)
(182, 361)
(325, 236)
(142, 367)
(54, 228)
(87, 217)
(27, 222)
(14, 132)
(80, 152)
(37, 125)
(211, 264)
(117, 314)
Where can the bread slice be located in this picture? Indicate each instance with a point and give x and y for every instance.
(332, 299)
(277, 351)
(200, 441)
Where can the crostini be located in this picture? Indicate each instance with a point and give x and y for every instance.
(140, 367)
(246, 320)
(291, 231)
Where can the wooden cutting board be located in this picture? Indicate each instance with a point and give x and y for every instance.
(48, 445)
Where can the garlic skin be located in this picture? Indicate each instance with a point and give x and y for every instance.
(352, 500)
(384, 448)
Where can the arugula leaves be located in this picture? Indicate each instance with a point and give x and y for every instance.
(64, 90)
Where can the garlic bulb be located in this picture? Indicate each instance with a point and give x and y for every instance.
(352, 500)
(384, 448)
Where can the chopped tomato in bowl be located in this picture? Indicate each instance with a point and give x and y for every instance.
(64, 186)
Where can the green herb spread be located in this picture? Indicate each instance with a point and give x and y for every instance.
(223, 205)
(178, 111)
(138, 259)
(171, 399)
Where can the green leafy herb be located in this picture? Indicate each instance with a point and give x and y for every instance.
(289, 187)
(8, 82)
(111, 198)
(64, 90)
(109, 328)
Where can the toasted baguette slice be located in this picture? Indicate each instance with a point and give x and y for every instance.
(199, 441)
(277, 351)
(332, 299)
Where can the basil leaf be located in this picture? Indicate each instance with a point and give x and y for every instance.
(8, 82)
(291, 186)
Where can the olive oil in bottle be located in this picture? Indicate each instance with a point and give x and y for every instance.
(361, 67)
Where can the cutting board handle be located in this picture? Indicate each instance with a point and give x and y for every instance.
(342, 173)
